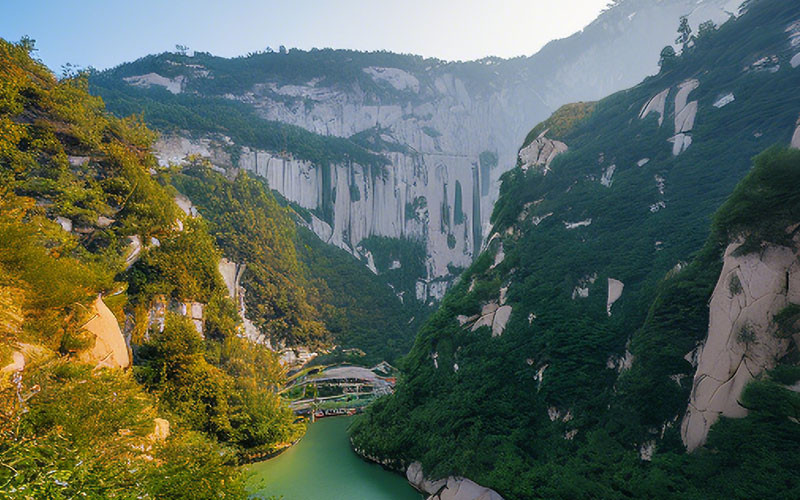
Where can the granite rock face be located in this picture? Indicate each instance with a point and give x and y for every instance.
(742, 341)
(110, 349)
(451, 488)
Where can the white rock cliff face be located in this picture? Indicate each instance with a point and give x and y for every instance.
(367, 203)
(741, 342)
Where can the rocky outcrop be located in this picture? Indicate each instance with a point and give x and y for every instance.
(174, 85)
(685, 113)
(17, 363)
(160, 306)
(741, 342)
(796, 136)
(185, 204)
(492, 315)
(607, 178)
(656, 104)
(232, 276)
(110, 349)
(134, 251)
(614, 293)
(724, 100)
(441, 118)
(575, 225)
(540, 153)
(160, 430)
(451, 488)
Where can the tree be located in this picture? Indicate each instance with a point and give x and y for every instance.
(705, 28)
(684, 33)
(28, 44)
(181, 49)
(667, 57)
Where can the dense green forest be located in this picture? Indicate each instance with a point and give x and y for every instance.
(548, 408)
(78, 189)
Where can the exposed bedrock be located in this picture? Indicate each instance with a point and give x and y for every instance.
(742, 341)
(450, 488)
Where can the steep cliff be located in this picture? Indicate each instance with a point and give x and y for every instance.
(440, 128)
(743, 339)
(597, 255)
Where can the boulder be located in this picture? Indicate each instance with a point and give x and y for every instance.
(451, 488)
(110, 349)
(655, 105)
(160, 430)
(541, 152)
(796, 136)
(614, 293)
(66, 224)
(500, 320)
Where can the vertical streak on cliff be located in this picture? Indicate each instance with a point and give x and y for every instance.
(477, 189)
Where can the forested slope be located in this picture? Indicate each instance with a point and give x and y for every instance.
(124, 374)
(563, 363)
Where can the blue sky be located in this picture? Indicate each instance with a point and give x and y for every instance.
(105, 33)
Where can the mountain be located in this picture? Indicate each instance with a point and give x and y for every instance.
(388, 145)
(637, 296)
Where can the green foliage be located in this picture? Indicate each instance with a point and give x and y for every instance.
(183, 266)
(228, 398)
(735, 285)
(83, 434)
(458, 210)
(561, 355)
(412, 209)
(359, 308)
(785, 374)
(250, 227)
(684, 33)
(667, 57)
(71, 430)
(764, 204)
(746, 334)
(488, 159)
(561, 122)
(201, 114)
(787, 320)
(431, 132)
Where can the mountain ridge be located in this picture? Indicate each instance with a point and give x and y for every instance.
(428, 121)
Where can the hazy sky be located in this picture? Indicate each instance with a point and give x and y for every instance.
(104, 33)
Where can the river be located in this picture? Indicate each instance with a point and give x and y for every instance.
(322, 466)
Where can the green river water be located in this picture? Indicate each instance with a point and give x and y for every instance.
(323, 467)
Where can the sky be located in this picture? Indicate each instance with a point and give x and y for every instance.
(104, 33)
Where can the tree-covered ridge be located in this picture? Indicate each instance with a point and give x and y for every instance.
(77, 192)
(551, 407)
(252, 229)
(561, 122)
(361, 309)
(211, 115)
